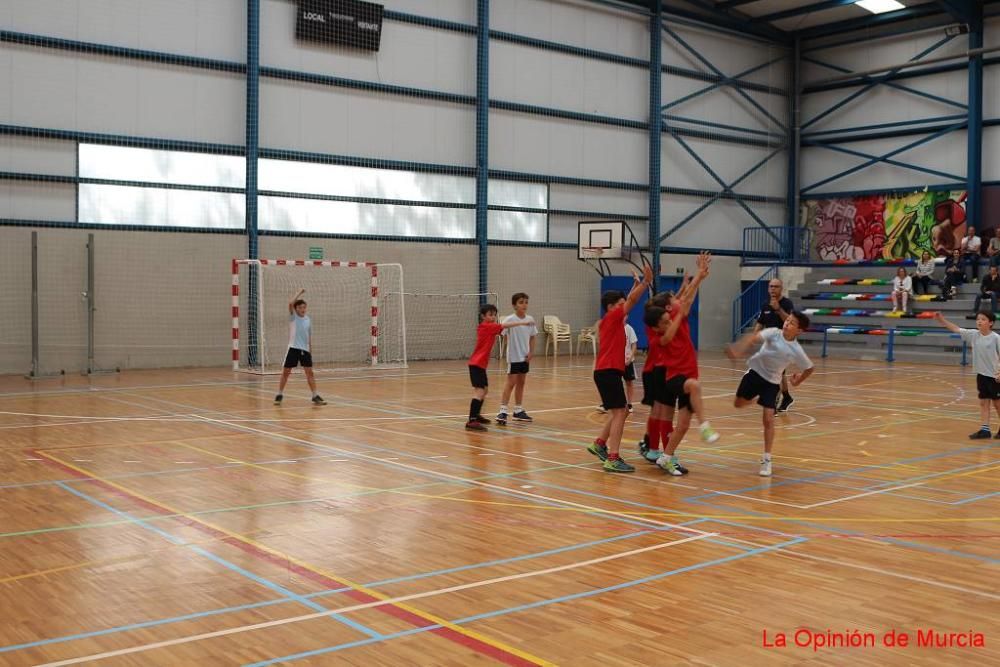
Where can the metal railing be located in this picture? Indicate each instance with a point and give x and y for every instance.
(890, 345)
(746, 307)
(785, 244)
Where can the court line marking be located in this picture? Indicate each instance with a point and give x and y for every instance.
(468, 638)
(820, 504)
(377, 603)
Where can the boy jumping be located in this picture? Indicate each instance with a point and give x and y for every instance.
(486, 336)
(609, 371)
(520, 350)
(299, 348)
(766, 371)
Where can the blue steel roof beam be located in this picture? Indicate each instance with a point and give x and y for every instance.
(694, 52)
(723, 138)
(725, 81)
(962, 10)
(872, 136)
(917, 11)
(721, 126)
(729, 4)
(867, 78)
(899, 123)
(897, 151)
(738, 25)
(875, 81)
(895, 163)
(801, 11)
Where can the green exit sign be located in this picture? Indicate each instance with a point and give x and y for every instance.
(315, 252)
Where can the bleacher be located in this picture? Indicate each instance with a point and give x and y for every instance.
(851, 313)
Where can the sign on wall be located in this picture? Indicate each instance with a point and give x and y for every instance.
(350, 22)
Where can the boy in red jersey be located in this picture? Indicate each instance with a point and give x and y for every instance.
(486, 336)
(682, 388)
(609, 370)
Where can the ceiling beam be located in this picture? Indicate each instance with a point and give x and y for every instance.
(962, 10)
(807, 9)
(729, 4)
(916, 11)
(766, 32)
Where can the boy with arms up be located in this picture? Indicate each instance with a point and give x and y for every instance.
(299, 348)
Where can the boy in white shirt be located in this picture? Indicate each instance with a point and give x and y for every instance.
(631, 343)
(520, 347)
(299, 348)
(986, 360)
(779, 350)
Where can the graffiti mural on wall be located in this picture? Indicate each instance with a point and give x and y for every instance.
(874, 227)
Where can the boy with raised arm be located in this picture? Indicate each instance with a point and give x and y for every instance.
(299, 348)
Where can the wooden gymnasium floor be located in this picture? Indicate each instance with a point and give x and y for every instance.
(178, 518)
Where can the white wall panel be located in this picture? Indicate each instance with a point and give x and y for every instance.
(58, 89)
(574, 22)
(213, 29)
(865, 55)
(578, 198)
(729, 162)
(306, 117)
(724, 105)
(727, 53)
(37, 156)
(37, 201)
(562, 81)
(720, 225)
(409, 55)
(462, 11)
(991, 154)
(567, 148)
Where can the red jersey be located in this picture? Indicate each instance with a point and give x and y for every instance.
(486, 336)
(654, 354)
(679, 355)
(611, 334)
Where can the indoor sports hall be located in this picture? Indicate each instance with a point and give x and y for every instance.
(522, 332)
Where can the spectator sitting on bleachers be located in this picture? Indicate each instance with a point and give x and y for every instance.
(922, 277)
(990, 289)
(993, 250)
(902, 285)
(953, 274)
(971, 248)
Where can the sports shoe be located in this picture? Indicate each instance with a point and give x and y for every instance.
(502, 418)
(600, 451)
(318, 400)
(278, 399)
(668, 466)
(474, 425)
(602, 409)
(630, 408)
(981, 434)
(652, 455)
(643, 446)
(708, 434)
(765, 468)
(523, 416)
(482, 420)
(618, 465)
(786, 402)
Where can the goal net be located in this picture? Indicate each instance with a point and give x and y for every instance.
(441, 326)
(358, 317)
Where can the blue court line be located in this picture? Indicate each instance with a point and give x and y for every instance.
(283, 600)
(975, 498)
(844, 531)
(290, 595)
(533, 605)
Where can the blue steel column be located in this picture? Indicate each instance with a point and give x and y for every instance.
(794, 118)
(252, 149)
(655, 132)
(252, 123)
(482, 140)
(974, 171)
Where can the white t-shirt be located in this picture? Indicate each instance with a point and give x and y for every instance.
(905, 284)
(777, 354)
(971, 243)
(519, 338)
(985, 351)
(299, 329)
(630, 340)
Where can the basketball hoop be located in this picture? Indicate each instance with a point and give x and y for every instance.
(591, 253)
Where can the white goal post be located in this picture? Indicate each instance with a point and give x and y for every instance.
(357, 312)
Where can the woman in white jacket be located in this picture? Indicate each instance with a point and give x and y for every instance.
(902, 286)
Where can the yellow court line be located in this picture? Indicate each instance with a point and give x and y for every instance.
(345, 582)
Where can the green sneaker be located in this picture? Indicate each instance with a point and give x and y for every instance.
(709, 434)
(617, 465)
(669, 466)
(600, 451)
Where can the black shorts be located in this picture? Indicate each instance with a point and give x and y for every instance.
(517, 368)
(988, 387)
(478, 377)
(630, 372)
(648, 388)
(673, 393)
(754, 386)
(610, 387)
(296, 356)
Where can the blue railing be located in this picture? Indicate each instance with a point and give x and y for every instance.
(746, 307)
(769, 244)
(890, 346)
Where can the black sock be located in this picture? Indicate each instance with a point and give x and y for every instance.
(474, 409)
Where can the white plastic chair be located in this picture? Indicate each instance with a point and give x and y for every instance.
(557, 332)
(587, 335)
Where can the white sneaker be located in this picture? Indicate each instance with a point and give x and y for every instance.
(708, 434)
(765, 468)
(602, 409)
